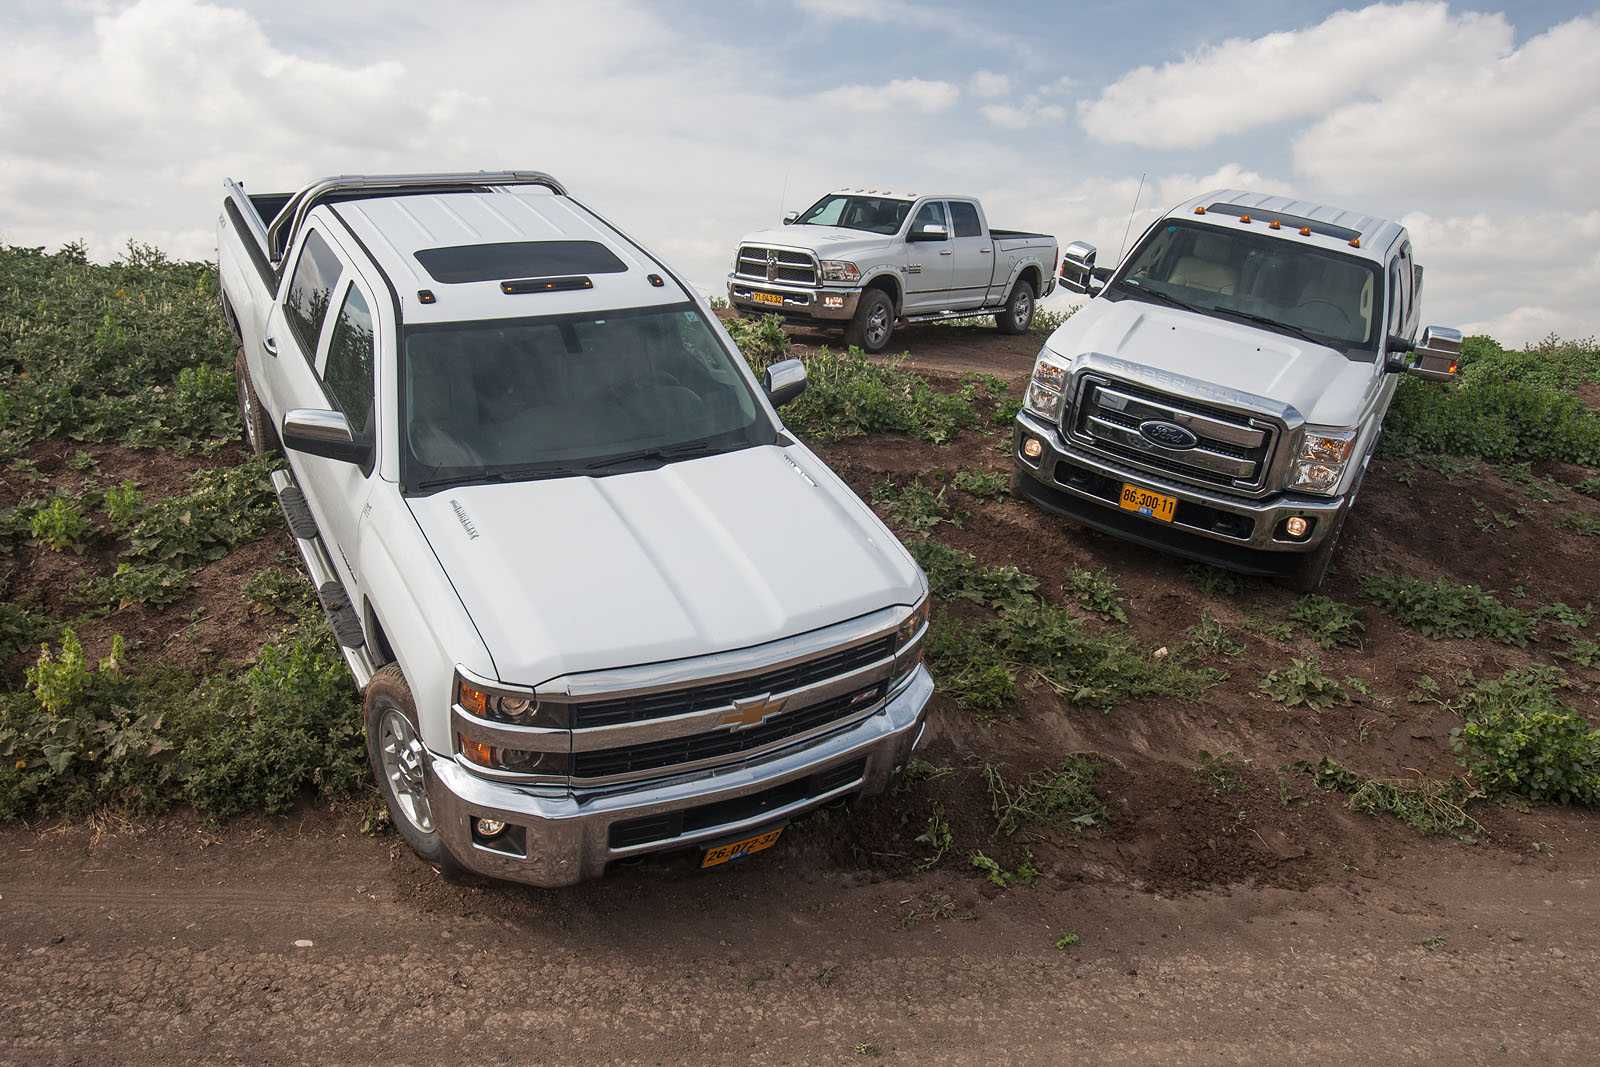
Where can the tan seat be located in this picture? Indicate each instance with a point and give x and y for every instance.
(1207, 268)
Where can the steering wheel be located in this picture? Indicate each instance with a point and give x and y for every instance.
(1326, 303)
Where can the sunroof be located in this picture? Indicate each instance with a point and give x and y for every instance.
(1327, 229)
(518, 259)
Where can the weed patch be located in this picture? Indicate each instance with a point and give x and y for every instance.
(1064, 797)
(913, 508)
(1327, 622)
(987, 484)
(1427, 805)
(154, 584)
(1098, 592)
(1442, 608)
(848, 394)
(225, 507)
(1519, 737)
(1302, 684)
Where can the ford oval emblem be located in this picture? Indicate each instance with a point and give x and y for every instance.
(1168, 434)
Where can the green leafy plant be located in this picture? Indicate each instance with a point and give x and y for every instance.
(1208, 637)
(1025, 874)
(1520, 737)
(1302, 684)
(1068, 940)
(761, 340)
(61, 524)
(1098, 592)
(914, 507)
(1062, 797)
(1589, 486)
(1214, 581)
(1222, 772)
(938, 837)
(121, 504)
(1427, 805)
(982, 483)
(224, 508)
(1327, 621)
(848, 394)
(153, 584)
(277, 589)
(1581, 522)
(1442, 608)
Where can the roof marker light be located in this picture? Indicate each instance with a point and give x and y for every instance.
(1305, 231)
(1201, 210)
(1245, 219)
(1274, 225)
(1355, 242)
(425, 296)
(655, 280)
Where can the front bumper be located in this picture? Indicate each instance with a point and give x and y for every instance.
(831, 305)
(568, 837)
(1239, 533)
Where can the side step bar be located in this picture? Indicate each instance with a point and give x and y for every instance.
(341, 613)
(953, 316)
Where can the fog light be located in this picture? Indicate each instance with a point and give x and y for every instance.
(1296, 527)
(833, 301)
(1033, 448)
(489, 827)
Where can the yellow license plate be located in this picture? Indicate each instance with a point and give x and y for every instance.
(718, 854)
(767, 298)
(1145, 502)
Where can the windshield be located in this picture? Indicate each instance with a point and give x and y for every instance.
(1333, 298)
(513, 399)
(875, 214)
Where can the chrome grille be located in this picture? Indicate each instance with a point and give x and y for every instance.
(760, 263)
(1231, 449)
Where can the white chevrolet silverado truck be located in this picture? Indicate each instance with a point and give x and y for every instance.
(1221, 394)
(599, 602)
(863, 260)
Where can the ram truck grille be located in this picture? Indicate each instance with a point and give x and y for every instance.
(1231, 450)
(759, 263)
(723, 743)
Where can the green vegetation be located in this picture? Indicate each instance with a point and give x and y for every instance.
(224, 508)
(1214, 581)
(61, 525)
(131, 352)
(153, 584)
(1067, 940)
(983, 483)
(1519, 737)
(938, 837)
(1589, 486)
(1427, 805)
(1221, 772)
(1442, 608)
(1208, 637)
(1327, 622)
(849, 394)
(913, 508)
(1509, 406)
(1064, 797)
(1302, 684)
(1025, 874)
(276, 589)
(762, 340)
(1582, 522)
(1098, 592)
(21, 628)
(979, 659)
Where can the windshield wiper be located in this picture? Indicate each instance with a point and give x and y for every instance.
(1274, 323)
(665, 455)
(1166, 298)
(503, 474)
(538, 471)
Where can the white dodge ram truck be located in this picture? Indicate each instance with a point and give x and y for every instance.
(862, 260)
(1221, 394)
(599, 602)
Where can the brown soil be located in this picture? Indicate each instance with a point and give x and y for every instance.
(1261, 920)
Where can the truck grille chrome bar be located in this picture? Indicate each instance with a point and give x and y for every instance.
(761, 263)
(1229, 449)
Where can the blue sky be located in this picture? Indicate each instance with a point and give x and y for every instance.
(1480, 127)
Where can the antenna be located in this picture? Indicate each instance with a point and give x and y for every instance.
(1129, 226)
(784, 199)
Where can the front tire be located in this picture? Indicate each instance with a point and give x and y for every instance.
(399, 763)
(1017, 318)
(873, 324)
(258, 434)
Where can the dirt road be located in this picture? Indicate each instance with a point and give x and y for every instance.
(171, 944)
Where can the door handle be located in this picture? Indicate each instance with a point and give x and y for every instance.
(270, 345)
(947, 252)
(985, 251)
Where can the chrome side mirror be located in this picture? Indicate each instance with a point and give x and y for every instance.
(1077, 268)
(928, 231)
(1438, 354)
(783, 381)
(788, 220)
(324, 433)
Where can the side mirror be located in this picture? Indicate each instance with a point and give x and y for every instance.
(324, 433)
(1077, 267)
(788, 220)
(783, 381)
(1437, 352)
(928, 231)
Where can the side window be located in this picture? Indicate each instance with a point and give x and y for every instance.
(932, 214)
(348, 371)
(1408, 287)
(965, 219)
(1397, 299)
(310, 292)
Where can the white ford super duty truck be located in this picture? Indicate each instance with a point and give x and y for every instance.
(863, 260)
(600, 603)
(1221, 394)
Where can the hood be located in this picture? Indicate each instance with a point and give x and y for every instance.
(828, 242)
(702, 556)
(1317, 381)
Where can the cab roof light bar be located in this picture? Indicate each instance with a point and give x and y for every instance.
(545, 285)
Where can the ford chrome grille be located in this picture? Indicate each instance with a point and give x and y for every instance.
(778, 265)
(1221, 448)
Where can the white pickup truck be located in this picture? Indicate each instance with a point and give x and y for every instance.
(863, 260)
(600, 603)
(1221, 395)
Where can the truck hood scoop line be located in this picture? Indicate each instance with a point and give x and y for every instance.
(701, 556)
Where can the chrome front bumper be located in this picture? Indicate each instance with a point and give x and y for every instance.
(801, 303)
(567, 835)
(1079, 484)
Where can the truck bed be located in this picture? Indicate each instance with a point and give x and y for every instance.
(1008, 235)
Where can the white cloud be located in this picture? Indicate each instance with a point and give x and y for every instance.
(986, 83)
(1021, 116)
(1246, 83)
(928, 97)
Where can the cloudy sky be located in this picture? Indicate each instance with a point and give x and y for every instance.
(690, 123)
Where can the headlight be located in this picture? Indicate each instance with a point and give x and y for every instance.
(520, 761)
(1048, 385)
(913, 624)
(839, 270)
(1322, 458)
(514, 707)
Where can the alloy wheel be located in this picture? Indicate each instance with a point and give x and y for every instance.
(402, 754)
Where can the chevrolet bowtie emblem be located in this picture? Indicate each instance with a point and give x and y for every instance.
(751, 711)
